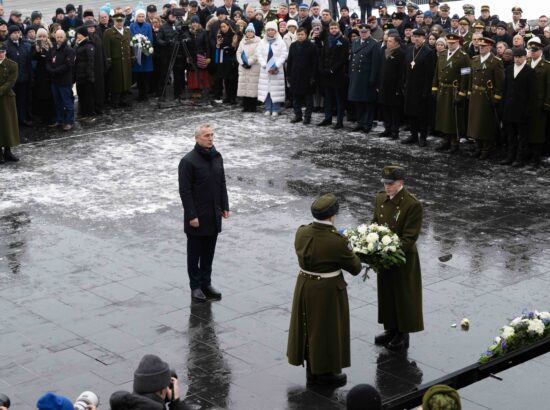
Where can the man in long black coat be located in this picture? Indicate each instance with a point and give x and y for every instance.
(301, 70)
(203, 194)
(20, 52)
(391, 86)
(332, 69)
(419, 71)
(99, 66)
(519, 90)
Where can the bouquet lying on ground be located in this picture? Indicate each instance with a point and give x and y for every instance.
(524, 330)
(377, 246)
(142, 45)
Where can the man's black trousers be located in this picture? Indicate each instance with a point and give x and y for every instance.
(200, 254)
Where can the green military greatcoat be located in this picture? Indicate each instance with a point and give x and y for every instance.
(451, 82)
(541, 103)
(118, 54)
(9, 124)
(486, 84)
(319, 321)
(400, 288)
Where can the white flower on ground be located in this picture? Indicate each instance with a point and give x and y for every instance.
(536, 326)
(372, 237)
(386, 240)
(507, 332)
(465, 322)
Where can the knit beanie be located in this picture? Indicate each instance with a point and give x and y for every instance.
(51, 401)
(441, 397)
(363, 396)
(250, 27)
(70, 8)
(271, 25)
(152, 375)
(82, 30)
(59, 10)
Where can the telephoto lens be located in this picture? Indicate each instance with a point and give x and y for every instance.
(5, 401)
(86, 399)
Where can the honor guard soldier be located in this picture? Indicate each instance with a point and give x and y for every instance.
(400, 287)
(269, 15)
(319, 324)
(485, 93)
(465, 32)
(9, 126)
(541, 100)
(450, 84)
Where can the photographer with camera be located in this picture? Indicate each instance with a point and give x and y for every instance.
(156, 387)
(4, 402)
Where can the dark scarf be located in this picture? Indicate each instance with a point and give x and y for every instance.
(332, 39)
(206, 153)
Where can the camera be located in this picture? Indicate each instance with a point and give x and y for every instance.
(86, 399)
(5, 401)
(179, 12)
(522, 22)
(171, 385)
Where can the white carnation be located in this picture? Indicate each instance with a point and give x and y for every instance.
(386, 240)
(392, 248)
(507, 332)
(536, 326)
(372, 237)
(362, 229)
(370, 247)
(544, 315)
(515, 322)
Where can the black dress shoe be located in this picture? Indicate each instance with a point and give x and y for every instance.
(444, 146)
(337, 126)
(8, 156)
(384, 338)
(385, 134)
(399, 342)
(307, 120)
(211, 293)
(358, 128)
(422, 142)
(327, 379)
(516, 164)
(324, 123)
(507, 161)
(1, 156)
(295, 120)
(411, 139)
(198, 296)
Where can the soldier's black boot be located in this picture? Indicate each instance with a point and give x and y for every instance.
(8, 156)
(385, 134)
(445, 145)
(328, 379)
(307, 120)
(422, 141)
(508, 161)
(384, 338)
(324, 123)
(411, 139)
(1, 156)
(295, 120)
(399, 342)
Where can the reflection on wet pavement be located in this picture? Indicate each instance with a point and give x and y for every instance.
(93, 276)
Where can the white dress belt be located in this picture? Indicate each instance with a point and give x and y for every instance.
(323, 275)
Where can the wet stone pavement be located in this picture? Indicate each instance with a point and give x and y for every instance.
(93, 273)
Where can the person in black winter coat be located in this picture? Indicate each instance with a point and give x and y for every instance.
(71, 20)
(43, 106)
(85, 74)
(20, 52)
(519, 89)
(333, 64)
(204, 198)
(225, 59)
(99, 66)
(166, 38)
(302, 66)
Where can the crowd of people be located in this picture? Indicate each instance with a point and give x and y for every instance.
(459, 77)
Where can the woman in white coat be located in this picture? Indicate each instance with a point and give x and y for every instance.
(249, 69)
(272, 53)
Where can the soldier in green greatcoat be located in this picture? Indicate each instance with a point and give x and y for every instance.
(9, 125)
(484, 93)
(118, 57)
(541, 100)
(319, 325)
(399, 288)
(450, 84)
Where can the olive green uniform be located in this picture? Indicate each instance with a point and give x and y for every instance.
(485, 90)
(400, 288)
(451, 82)
(9, 124)
(118, 55)
(319, 324)
(541, 105)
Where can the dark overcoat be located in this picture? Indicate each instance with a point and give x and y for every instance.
(203, 191)
(320, 310)
(302, 66)
(518, 95)
(84, 62)
(418, 79)
(118, 55)
(400, 288)
(541, 102)
(450, 83)
(9, 124)
(99, 69)
(485, 90)
(391, 78)
(333, 64)
(364, 71)
(20, 54)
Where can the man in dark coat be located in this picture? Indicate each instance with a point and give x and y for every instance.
(203, 194)
(85, 74)
(119, 54)
(20, 52)
(400, 287)
(9, 126)
(71, 21)
(519, 83)
(302, 64)
(99, 66)
(363, 77)
(319, 324)
(419, 70)
(332, 69)
(391, 86)
(450, 85)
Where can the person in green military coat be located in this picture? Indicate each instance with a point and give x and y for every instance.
(541, 103)
(484, 93)
(465, 31)
(399, 288)
(450, 84)
(9, 125)
(319, 325)
(118, 57)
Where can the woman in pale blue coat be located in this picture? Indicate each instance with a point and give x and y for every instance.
(143, 66)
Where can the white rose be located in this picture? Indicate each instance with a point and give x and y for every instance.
(383, 229)
(507, 332)
(372, 237)
(536, 326)
(515, 322)
(362, 229)
(392, 248)
(386, 240)
(370, 247)
(544, 315)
